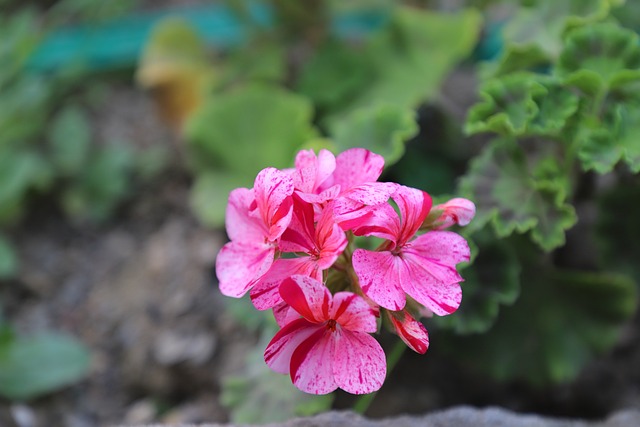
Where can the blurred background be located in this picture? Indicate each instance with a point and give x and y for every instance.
(125, 124)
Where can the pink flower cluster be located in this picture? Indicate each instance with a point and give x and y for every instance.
(293, 247)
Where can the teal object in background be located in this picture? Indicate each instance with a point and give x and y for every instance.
(118, 44)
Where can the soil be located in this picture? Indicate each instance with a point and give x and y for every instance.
(140, 291)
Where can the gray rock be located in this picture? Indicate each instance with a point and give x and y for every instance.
(461, 416)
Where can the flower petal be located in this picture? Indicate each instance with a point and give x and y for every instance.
(241, 226)
(359, 365)
(352, 312)
(444, 247)
(433, 285)
(273, 189)
(356, 166)
(379, 275)
(414, 206)
(312, 170)
(311, 363)
(265, 293)
(307, 296)
(456, 211)
(278, 353)
(284, 314)
(239, 265)
(411, 331)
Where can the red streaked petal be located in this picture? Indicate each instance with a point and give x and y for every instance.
(434, 285)
(414, 206)
(307, 296)
(266, 291)
(352, 312)
(278, 353)
(456, 211)
(311, 363)
(239, 265)
(359, 364)
(379, 275)
(411, 331)
(273, 189)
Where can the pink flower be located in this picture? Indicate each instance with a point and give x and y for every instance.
(456, 211)
(330, 346)
(412, 332)
(350, 180)
(319, 244)
(423, 268)
(256, 218)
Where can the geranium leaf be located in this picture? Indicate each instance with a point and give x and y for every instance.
(413, 54)
(382, 128)
(493, 281)
(507, 105)
(507, 194)
(248, 129)
(33, 366)
(604, 49)
(618, 227)
(335, 75)
(561, 320)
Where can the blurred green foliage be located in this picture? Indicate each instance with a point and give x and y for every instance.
(48, 148)
(561, 101)
(35, 365)
(360, 92)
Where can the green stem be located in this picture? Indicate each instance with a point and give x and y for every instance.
(364, 402)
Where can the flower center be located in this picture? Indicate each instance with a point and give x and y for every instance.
(331, 324)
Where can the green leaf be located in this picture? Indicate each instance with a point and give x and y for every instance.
(69, 140)
(413, 55)
(104, 182)
(544, 23)
(31, 367)
(523, 104)
(248, 129)
(517, 197)
(8, 259)
(210, 193)
(260, 395)
(560, 322)
(617, 227)
(601, 145)
(21, 170)
(335, 75)
(381, 128)
(507, 105)
(492, 280)
(604, 49)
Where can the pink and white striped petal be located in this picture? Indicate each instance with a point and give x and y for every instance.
(265, 294)
(278, 353)
(307, 296)
(442, 247)
(379, 275)
(359, 364)
(353, 312)
(414, 206)
(273, 189)
(411, 331)
(312, 170)
(356, 166)
(239, 265)
(434, 285)
(456, 211)
(312, 363)
(241, 226)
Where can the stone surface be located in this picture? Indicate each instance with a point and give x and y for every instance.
(461, 416)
